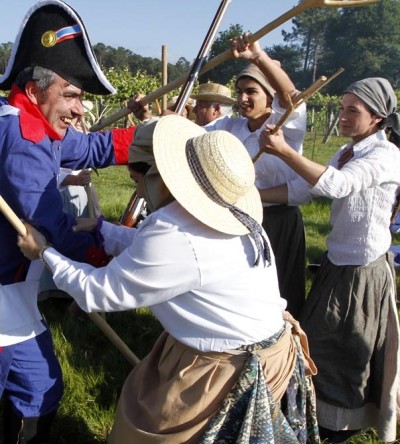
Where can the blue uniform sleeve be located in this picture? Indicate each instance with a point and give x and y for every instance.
(28, 183)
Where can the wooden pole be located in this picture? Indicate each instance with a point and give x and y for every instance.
(301, 7)
(95, 317)
(164, 79)
(298, 100)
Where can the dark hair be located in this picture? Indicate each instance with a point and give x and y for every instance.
(42, 76)
(254, 80)
(139, 167)
(394, 137)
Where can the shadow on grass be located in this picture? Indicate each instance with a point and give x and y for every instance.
(93, 369)
(67, 430)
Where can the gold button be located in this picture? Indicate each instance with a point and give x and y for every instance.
(49, 39)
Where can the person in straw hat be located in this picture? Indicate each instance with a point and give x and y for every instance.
(213, 101)
(227, 360)
(143, 170)
(187, 110)
(263, 92)
(350, 314)
(52, 63)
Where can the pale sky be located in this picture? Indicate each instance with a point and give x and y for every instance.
(144, 26)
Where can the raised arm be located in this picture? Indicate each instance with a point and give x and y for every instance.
(277, 77)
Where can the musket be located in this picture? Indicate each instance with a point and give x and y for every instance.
(95, 317)
(201, 57)
(301, 7)
(136, 206)
(134, 211)
(299, 100)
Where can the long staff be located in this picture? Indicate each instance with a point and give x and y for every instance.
(201, 56)
(95, 317)
(131, 215)
(298, 100)
(301, 7)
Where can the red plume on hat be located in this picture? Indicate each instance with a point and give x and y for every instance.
(53, 36)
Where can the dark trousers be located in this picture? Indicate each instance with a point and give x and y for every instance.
(285, 229)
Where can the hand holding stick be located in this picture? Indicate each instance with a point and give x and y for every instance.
(299, 100)
(95, 317)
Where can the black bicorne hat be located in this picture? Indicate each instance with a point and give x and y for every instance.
(53, 36)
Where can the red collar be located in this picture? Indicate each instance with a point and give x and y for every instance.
(34, 126)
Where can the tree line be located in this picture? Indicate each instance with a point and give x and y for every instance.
(365, 41)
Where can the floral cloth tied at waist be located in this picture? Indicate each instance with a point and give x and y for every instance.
(280, 410)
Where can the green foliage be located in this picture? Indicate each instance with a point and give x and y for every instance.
(127, 85)
(321, 109)
(224, 72)
(291, 59)
(5, 52)
(308, 33)
(365, 41)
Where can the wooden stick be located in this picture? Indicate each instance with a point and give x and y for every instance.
(95, 317)
(298, 100)
(303, 6)
(114, 338)
(12, 217)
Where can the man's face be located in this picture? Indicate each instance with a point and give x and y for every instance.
(60, 104)
(355, 119)
(252, 100)
(205, 112)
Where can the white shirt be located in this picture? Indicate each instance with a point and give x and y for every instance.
(201, 284)
(270, 170)
(363, 193)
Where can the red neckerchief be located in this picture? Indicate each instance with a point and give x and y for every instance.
(34, 126)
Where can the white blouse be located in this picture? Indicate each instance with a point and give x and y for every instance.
(270, 170)
(201, 284)
(363, 193)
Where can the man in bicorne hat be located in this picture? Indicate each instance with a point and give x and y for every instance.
(213, 101)
(51, 65)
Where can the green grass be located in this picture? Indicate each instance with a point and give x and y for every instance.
(94, 371)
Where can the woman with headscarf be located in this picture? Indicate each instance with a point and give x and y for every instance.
(350, 314)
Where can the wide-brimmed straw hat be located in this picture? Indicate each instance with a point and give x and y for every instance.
(53, 36)
(186, 155)
(214, 92)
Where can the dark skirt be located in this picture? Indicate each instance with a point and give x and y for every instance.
(285, 229)
(345, 319)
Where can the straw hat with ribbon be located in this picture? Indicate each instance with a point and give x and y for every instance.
(211, 175)
(214, 92)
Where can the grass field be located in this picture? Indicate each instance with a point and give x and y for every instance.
(93, 369)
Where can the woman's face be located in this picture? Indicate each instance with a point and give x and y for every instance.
(355, 119)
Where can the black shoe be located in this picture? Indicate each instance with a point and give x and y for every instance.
(336, 436)
(17, 430)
